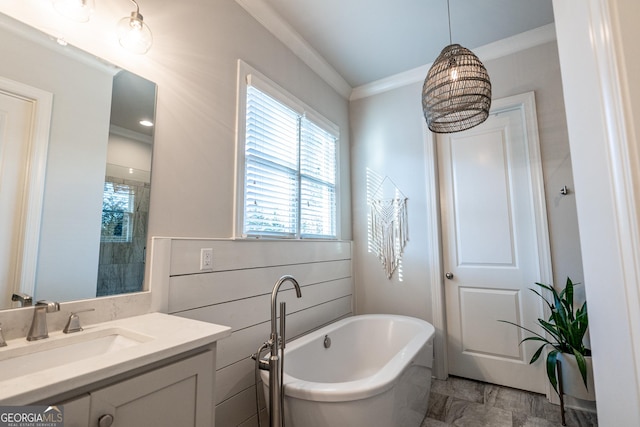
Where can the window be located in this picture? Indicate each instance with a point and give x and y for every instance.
(117, 213)
(288, 159)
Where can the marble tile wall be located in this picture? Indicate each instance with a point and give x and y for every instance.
(466, 403)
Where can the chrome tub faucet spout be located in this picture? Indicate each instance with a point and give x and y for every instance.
(274, 297)
(276, 359)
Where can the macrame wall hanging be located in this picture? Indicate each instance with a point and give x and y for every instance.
(388, 230)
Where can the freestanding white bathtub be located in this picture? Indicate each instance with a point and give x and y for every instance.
(376, 372)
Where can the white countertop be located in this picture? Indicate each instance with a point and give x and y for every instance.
(165, 336)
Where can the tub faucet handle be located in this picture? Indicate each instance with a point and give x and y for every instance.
(283, 321)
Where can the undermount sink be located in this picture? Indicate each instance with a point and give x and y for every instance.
(62, 349)
(39, 371)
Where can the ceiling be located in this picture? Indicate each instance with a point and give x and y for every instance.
(368, 40)
(133, 99)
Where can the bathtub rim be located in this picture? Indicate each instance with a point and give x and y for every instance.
(375, 384)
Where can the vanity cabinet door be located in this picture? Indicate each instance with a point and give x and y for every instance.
(180, 394)
(76, 411)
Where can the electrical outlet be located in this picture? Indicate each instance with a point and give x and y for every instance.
(206, 259)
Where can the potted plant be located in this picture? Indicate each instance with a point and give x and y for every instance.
(566, 329)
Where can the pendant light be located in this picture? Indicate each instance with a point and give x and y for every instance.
(133, 34)
(76, 10)
(456, 94)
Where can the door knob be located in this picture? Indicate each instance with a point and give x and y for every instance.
(105, 420)
(449, 275)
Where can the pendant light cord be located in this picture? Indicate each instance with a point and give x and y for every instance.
(138, 12)
(449, 19)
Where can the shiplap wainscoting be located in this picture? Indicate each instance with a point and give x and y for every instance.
(237, 293)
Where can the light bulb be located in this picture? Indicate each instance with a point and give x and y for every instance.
(134, 35)
(76, 10)
(453, 69)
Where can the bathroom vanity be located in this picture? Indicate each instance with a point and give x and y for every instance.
(149, 370)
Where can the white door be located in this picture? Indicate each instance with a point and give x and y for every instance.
(16, 115)
(491, 247)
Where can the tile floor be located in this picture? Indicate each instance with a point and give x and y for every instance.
(467, 403)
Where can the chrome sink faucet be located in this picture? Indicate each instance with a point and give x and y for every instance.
(24, 299)
(39, 328)
(276, 361)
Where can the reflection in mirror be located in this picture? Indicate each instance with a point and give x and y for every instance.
(75, 166)
(125, 205)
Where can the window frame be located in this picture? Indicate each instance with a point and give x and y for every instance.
(249, 76)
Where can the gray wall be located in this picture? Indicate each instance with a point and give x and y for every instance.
(387, 137)
(387, 141)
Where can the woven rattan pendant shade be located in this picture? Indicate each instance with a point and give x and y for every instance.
(457, 91)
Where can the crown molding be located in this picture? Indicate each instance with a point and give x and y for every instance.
(55, 44)
(488, 52)
(131, 134)
(265, 15)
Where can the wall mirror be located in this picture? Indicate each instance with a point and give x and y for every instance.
(75, 167)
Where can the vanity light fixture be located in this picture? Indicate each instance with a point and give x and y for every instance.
(133, 34)
(76, 10)
(456, 94)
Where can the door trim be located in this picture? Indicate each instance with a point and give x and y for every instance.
(42, 102)
(434, 254)
(526, 104)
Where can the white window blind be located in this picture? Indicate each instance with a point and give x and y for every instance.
(289, 171)
(317, 181)
(117, 213)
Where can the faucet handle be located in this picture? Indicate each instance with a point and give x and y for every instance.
(51, 306)
(3, 343)
(73, 324)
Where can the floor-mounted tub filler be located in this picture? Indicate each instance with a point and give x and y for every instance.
(362, 371)
(275, 364)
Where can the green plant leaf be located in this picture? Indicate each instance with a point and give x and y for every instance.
(552, 329)
(552, 361)
(582, 366)
(522, 327)
(537, 339)
(536, 355)
(543, 298)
